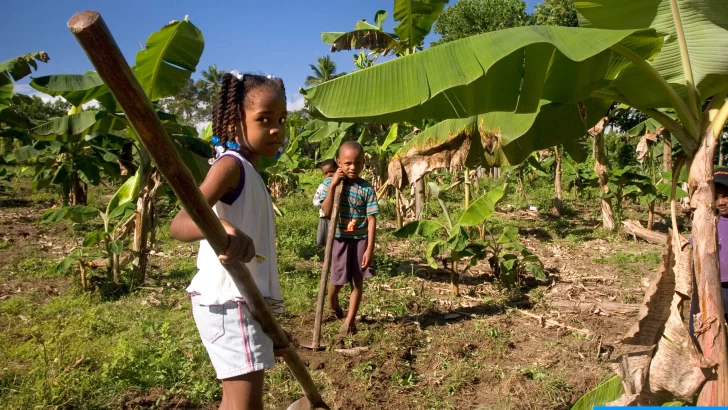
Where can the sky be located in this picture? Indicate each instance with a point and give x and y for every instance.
(278, 37)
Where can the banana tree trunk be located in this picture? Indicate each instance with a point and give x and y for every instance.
(666, 151)
(454, 279)
(601, 168)
(84, 283)
(709, 323)
(77, 194)
(558, 201)
(398, 206)
(126, 159)
(650, 215)
(379, 172)
(419, 198)
(144, 224)
(466, 182)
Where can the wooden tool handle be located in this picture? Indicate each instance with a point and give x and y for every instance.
(333, 223)
(92, 33)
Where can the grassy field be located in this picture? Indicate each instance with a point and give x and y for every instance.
(64, 348)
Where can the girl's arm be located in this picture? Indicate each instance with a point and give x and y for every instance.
(223, 177)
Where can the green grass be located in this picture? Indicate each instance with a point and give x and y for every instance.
(79, 350)
(619, 258)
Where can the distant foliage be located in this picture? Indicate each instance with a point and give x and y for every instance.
(470, 17)
(556, 13)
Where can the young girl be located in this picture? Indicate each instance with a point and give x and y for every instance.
(249, 124)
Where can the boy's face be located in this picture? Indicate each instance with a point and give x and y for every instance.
(351, 161)
(328, 171)
(721, 199)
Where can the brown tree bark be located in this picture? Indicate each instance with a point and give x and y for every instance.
(709, 322)
(601, 168)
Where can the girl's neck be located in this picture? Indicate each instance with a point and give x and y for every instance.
(250, 156)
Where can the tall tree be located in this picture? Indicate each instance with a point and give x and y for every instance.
(556, 13)
(213, 77)
(324, 70)
(471, 17)
(37, 109)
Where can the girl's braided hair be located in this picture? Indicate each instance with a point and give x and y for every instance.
(234, 96)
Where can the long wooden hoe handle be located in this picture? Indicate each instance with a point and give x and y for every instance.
(92, 33)
(326, 266)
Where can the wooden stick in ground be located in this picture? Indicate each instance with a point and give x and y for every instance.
(316, 343)
(94, 37)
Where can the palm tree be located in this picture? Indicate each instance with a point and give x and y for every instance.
(324, 70)
(213, 77)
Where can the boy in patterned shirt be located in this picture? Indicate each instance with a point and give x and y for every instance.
(353, 251)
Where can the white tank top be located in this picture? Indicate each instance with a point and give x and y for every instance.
(252, 213)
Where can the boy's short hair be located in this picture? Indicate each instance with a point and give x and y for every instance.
(721, 176)
(328, 163)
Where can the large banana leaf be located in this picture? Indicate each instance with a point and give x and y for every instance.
(6, 91)
(494, 139)
(482, 208)
(15, 69)
(447, 144)
(416, 18)
(606, 392)
(372, 39)
(77, 89)
(317, 130)
(705, 24)
(19, 67)
(169, 59)
(73, 124)
(509, 70)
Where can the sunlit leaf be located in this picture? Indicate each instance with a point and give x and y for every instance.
(482, 208)
(418, 228)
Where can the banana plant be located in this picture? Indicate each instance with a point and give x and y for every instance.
(163, 67)
(529, 169)
(13, 70)
(317, 131)
(111, 236)
(415, 19)
(379, 151)
(455, 243)
(649, 55)
(72, 152)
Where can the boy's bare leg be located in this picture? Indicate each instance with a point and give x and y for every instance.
(333, 296)
(357, 290)
(244, 392)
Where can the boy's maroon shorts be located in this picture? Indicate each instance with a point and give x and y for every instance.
(346, 256)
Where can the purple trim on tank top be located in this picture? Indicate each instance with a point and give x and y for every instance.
(232, 196)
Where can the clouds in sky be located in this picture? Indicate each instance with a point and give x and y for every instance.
(295, 102)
